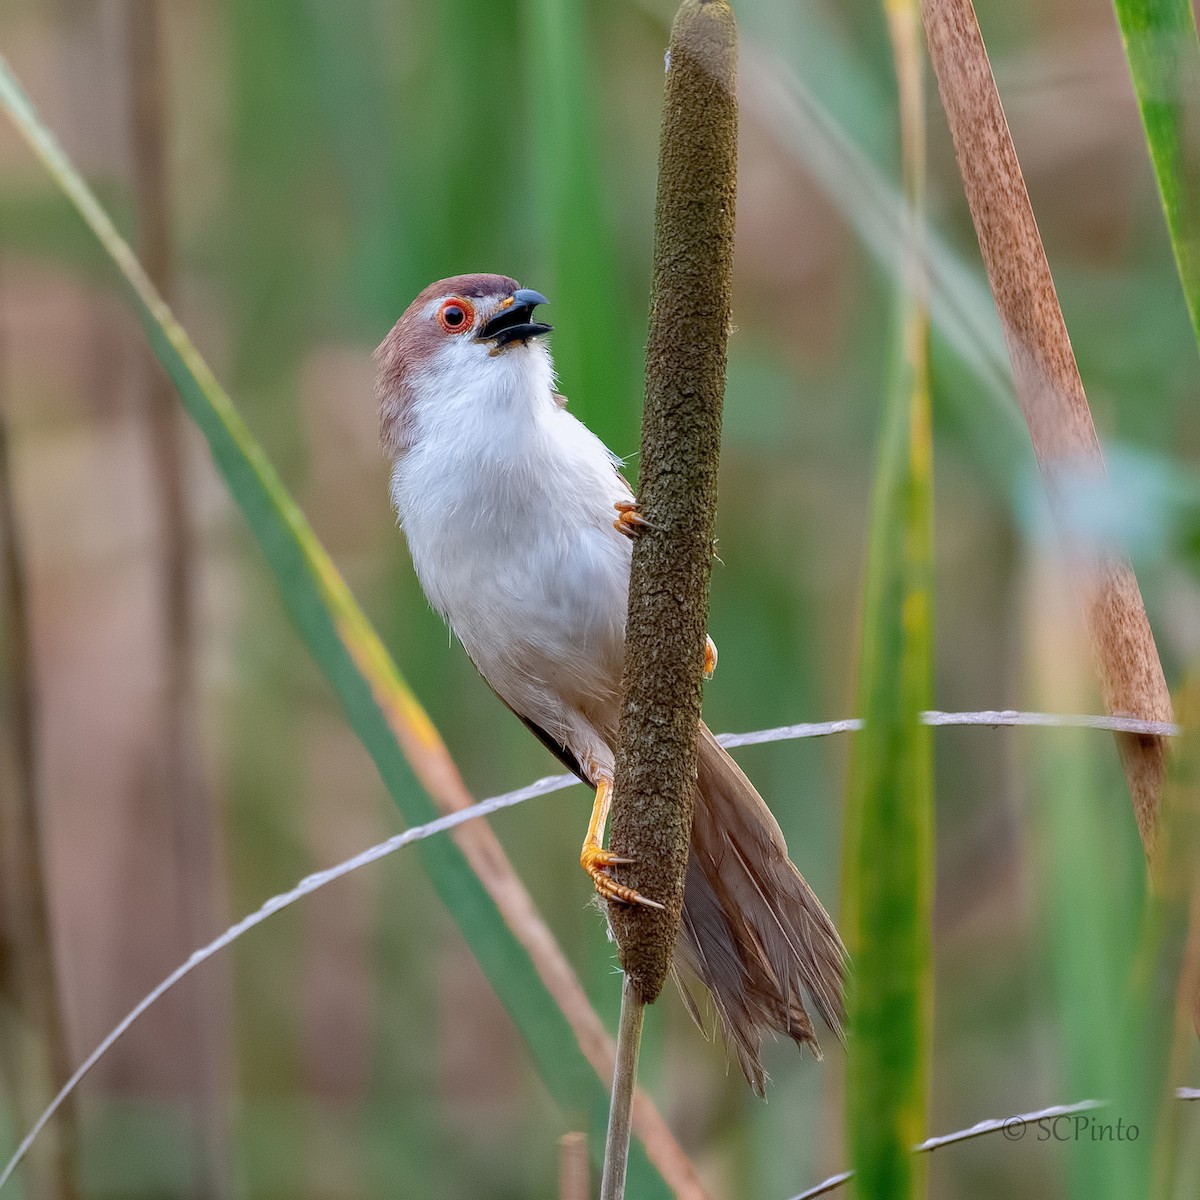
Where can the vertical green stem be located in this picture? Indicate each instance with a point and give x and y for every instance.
(888, 848)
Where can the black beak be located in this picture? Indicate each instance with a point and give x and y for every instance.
(511, 322)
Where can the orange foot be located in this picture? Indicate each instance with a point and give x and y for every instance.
(629, 520)
(597, 861)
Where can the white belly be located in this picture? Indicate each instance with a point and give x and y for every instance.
(512, 538)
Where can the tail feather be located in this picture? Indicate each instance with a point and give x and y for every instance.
(753, 932)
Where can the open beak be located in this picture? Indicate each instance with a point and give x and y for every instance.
(511, 321)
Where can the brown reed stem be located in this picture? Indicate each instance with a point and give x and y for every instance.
(1049, 390)
(33, 1039)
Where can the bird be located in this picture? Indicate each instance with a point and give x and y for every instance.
(520, 525)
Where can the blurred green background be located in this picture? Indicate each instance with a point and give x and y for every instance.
(322, 163)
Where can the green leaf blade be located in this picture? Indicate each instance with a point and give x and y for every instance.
(1163, 51)
(378, 704)
(887, 862)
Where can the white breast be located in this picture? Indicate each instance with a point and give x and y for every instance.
(507, 504)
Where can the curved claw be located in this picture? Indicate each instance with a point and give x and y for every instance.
(629, 520)
(596, 862)
(595, 858)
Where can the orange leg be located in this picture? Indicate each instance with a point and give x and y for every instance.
(629, 520)
(596, 861)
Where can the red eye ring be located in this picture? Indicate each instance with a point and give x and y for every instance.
(456, 315)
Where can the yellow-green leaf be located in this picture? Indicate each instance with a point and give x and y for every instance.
(887, 861)
(1164, 63)
(384, 713)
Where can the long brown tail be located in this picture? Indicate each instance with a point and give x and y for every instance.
(753, 931)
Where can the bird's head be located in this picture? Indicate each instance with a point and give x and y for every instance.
(455, 333)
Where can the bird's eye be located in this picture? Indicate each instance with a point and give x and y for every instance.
(455, 316)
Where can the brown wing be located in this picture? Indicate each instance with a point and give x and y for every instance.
(556, 748)
(551, 743)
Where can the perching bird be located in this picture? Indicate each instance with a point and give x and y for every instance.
(520, 524)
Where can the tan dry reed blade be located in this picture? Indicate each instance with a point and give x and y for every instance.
(573, 1177)
(348, 640)
(483, 851)
(684, 1184)
(1049, 389)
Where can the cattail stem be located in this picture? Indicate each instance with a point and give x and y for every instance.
(677, 488)
(668, 590)
(616, 1145)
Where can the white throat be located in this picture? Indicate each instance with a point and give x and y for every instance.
(507, 502)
